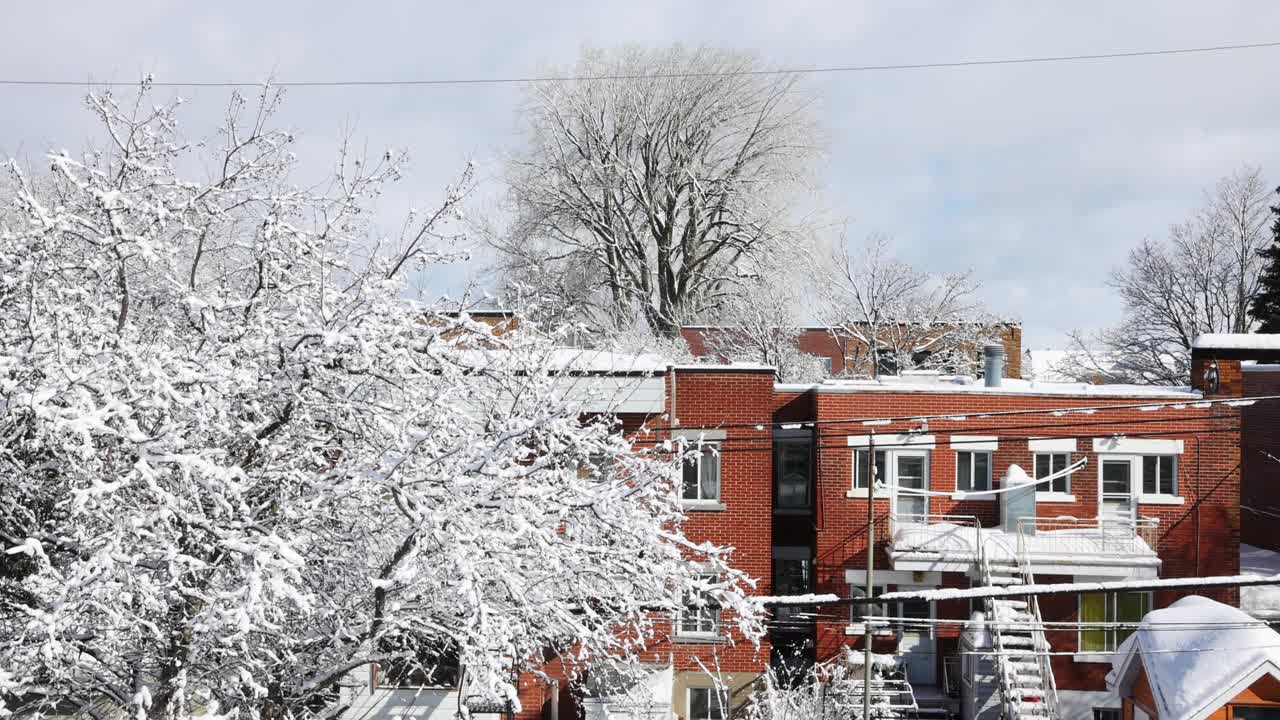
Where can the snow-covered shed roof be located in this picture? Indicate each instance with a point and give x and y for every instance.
(1198, 654)
(1237, 341)
(924, 383)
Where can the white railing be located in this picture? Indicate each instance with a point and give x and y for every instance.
(963, 537)
(1100, 536)
(935, 533)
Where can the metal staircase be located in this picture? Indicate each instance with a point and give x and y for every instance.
(1021, 662)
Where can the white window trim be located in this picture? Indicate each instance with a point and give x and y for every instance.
(1159, 498)
(706, 435)
(1137, 446)
(895, 441)
(1051, 496)
(1048, 445)
(1135, 479)
(886, 491)
(963, 494)
(716, 503)
(688, 700)
(975, 443)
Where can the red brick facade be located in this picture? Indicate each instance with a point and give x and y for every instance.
(1198, 532)
(1260, 459)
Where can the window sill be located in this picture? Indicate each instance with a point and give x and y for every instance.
(862, 493)
(859, 630)
(1161, 500)
(968, 496)
(1092, 657)
(1055, 497)
(687, 638)
(702, 506)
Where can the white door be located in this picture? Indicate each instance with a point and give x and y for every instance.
(911, 470)
(1116, 494)
(918, 645)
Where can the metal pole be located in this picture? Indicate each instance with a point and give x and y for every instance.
(871, 561)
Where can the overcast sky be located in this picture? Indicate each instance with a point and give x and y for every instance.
(1038, 177)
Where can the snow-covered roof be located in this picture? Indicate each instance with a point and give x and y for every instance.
(1198, 654)
(1261, 601)
(1008, 386)
(1237, 341)
(604, 361)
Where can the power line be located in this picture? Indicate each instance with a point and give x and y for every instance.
(960, 416)
(530, 79)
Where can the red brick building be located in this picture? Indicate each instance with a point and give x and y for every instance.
(1120, 483)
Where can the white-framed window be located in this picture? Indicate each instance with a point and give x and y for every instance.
(1160, 475)
(862, 469)
(1048, 463)
(702, 475)
(707, 704)
(1110, 607)
(700, 614)
(973, 470)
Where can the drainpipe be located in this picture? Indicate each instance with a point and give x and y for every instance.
(1199, 502)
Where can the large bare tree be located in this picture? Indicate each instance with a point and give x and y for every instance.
(1200, 279)
(649, 177)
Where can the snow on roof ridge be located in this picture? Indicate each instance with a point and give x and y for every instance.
(1203, 651)
(1237, 341)
(1008, 386)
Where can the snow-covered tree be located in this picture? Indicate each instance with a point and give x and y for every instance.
(649, 177)
(893, 317)
(237, 463)
(1201, 279)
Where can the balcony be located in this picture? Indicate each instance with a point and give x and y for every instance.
(1063, 545)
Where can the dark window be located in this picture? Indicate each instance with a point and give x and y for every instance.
(1255, 712)
(792, 459)
(1106, 714)
(973, 470)
(791, 576)
(1050, 463)
(1158, 477)
(706, 704)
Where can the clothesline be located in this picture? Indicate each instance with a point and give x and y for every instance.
(966, 494)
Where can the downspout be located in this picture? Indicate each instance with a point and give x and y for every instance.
(1199, 502)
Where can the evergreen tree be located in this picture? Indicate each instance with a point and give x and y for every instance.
(1266, 305)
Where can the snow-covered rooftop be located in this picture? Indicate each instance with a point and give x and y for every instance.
(1261, 601)
(1237, 341)
(1008, 386)
(1198, 654)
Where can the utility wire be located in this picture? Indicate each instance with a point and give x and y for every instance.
(523, 80)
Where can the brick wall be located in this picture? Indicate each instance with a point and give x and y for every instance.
(1260, 437)
(1199, 537)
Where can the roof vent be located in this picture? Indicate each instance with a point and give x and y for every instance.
(993, 363)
